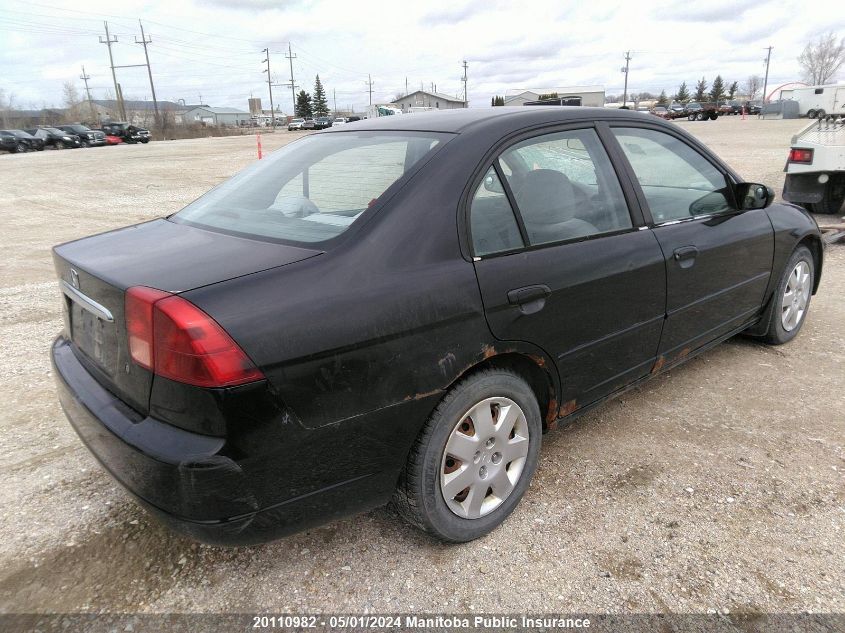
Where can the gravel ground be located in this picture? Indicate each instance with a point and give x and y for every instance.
(717, 486)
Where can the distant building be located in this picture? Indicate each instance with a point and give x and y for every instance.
(591, 96)
(425, 99)
(211, 115)
(254, 105)
(138, 112)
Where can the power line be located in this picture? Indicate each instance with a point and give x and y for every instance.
(466, 105)
(369, 83)
(146, 41)
(270, 88)
(109, 41)
(291, 56)
(625, 70)
(84, 77)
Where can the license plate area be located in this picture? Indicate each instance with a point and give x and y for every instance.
(93, 336)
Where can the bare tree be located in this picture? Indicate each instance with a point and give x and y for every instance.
(7, 103)
(822, 58)
(753, 85)
(71, 102)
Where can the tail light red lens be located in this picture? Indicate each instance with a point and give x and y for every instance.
(798, 155)
(176, 340)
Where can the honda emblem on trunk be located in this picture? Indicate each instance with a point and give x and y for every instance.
(74, 278)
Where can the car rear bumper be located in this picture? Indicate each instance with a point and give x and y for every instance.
(191, 482)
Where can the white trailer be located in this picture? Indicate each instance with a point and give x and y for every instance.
(819, 101)
(815, 169)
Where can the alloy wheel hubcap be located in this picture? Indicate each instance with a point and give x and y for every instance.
(795, 296)
(484, 457)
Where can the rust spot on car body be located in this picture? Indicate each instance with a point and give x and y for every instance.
(488, 351)
(658, 364)
(683, 353)
(541, 362)
(568, 407)
(551, 413)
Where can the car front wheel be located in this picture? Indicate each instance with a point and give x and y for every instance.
(474, 459)
(792, 298)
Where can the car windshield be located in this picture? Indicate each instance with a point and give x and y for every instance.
(311, 190)
(77, 128)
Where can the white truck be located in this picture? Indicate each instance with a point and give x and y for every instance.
(820, 101)
(382, 109)
(815, 169)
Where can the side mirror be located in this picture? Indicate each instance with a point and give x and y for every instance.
(752, 195)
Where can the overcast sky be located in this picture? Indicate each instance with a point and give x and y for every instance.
(213, 47)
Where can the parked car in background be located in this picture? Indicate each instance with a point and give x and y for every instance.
(724, 108)
(339, 121)
(675, 110)
(127, 132)
(270, 358)
(295, 124)
(815, 167)
(661, 111)
(26, 141)
(753, 107)
(736, 106)
(55, 138)
(113, 140)
(308, 124)
(352, 119)
(11, 143)
(87, 136)
(322, 122)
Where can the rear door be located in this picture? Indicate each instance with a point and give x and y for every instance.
(718, 259)
(562, 263)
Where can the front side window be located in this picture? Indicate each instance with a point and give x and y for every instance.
(314, 189)
(677, 181)
(565, 187)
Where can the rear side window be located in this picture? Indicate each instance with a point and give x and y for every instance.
(314, 189)
(677, 181)
(492, 222)
(565, 187)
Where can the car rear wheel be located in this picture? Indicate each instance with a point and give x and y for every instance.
(811, 114)
(820, 114)
(20, 148)
(474, 459)
(85, 144)
(792, 298)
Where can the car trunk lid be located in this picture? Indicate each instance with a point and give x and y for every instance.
(95, 272)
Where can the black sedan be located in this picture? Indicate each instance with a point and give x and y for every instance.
(401, 308)
(18, 141)
(55, 138)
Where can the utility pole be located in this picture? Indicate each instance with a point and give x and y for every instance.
(766, 80)
(625, 70)
(270, 88)
(466, 105)
(146, 41)
(370, 87)
(406, 86)
(334, 98)
(109, 41)
(291, 56)
(85, 78)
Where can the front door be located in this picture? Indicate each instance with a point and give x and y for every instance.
(718, 259)
(561, 263)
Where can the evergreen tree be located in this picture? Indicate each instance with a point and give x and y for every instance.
(732, 90)
(303, 105)
(662, 99)
(683, 93)
(501, 101)
(717, 91)
(319, 105)
(700, 90)
(492, 101)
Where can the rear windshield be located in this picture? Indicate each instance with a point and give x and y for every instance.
(313, 189)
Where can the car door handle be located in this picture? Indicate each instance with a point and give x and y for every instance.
(685, 256)
(530, 299)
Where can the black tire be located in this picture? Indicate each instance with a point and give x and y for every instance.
(811, 114)
(820, 113)
(834, 196)
(418, 497)
(691, 117)
(714, 116)
(776, 334)
(20, 148)
(84, 144)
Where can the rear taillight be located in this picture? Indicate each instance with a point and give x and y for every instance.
(175, 339)
(798, 155)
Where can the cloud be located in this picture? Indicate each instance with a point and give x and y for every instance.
(703, 12)
(455, 15)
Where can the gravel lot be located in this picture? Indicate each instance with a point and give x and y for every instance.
(717, 486)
